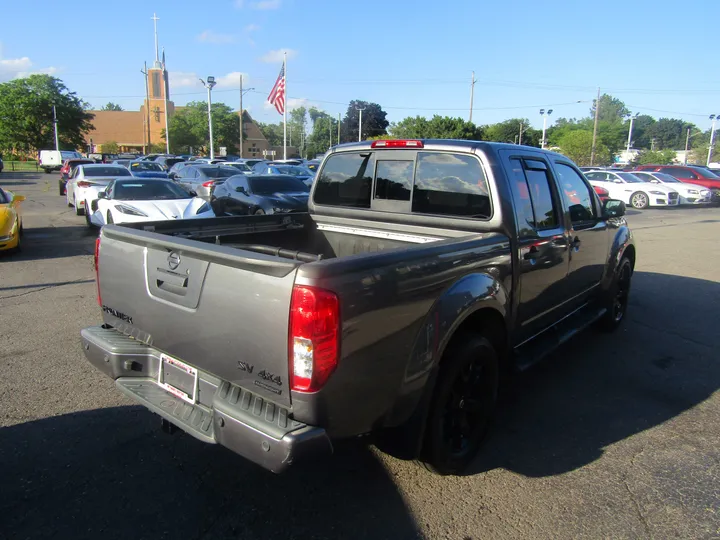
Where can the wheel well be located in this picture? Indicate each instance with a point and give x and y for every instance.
(630, 254)
(487, 322)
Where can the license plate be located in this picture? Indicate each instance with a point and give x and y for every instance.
(183, 375)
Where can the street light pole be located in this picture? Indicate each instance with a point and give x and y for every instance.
(545, 115)
(713, 117)
(629, 143)
(209, 85)
(55, 123)
(361, 109)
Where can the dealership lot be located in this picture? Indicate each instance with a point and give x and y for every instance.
(615, 436)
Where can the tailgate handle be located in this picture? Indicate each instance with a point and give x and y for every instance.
(171, 282)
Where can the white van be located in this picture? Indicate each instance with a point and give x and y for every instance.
(52, 160)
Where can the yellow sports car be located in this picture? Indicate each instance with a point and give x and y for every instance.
(10, 220)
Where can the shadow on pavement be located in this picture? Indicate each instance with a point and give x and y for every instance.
(602, 388)
(54, 242)
(111, 473)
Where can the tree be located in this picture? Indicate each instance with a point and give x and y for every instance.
(668, 133)
(111, 107)
(611, 109)
(297, 125)
(373, 121)
(110, 147)
(640, 128)
(577, 145)
(26, 110)
(324, 130)
(189, 127)
(662, 157)
(272, 132)
(509, 131)
(438, 127)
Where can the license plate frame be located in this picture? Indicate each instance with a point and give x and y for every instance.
(177, 392)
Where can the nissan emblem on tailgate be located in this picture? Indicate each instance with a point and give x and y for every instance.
(173, 260)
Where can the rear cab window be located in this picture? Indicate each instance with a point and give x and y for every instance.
(406, 181)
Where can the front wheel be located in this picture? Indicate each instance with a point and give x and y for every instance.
(462, 405)
(259, 212)
(61, 188)
(87, 215)
(109, 219)
(639, 200)
(618, 296)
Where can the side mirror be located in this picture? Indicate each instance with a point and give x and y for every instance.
(19, 198)
(617, 181)
(102, 195)
(241, 189)
(192, 193)
(654, 181)
(613, 208)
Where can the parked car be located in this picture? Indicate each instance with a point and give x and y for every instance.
(689, 193)
(146, 199)
(301, 173)
(147, 169)
(251, 162)
(603, 193)
(11, 225)
(203, 178)
(68, 168)
(255, 195)
(632, 190)
(52, 160)
(291, 161)
(691, 174)
(103, 157)
(168, 161)
(421, 271)
(86, 182)
(242, 168)
(176, 168)
(313, 165)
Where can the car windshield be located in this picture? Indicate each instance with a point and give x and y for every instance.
(630, 178)
(106, 171)
(219, 172)
(142, 166)
(240, 166)
(270, 185)
(293, 170)
(151, 190)
(705, 172)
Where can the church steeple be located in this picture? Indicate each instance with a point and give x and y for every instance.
(157, 65)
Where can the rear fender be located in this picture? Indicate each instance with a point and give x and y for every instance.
(461, 300)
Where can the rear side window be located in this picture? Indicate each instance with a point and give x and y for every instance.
(346, 180)
(450, 184)
(679, 173)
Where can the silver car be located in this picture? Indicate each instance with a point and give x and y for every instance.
(203, 178)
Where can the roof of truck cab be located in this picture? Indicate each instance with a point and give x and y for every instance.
(442, 144)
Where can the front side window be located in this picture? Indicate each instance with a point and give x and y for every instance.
(450, 184)
(346, 180)
(576, 193)
(393, 180)
(534, 203)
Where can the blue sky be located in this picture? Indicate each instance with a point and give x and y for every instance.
(411, 57)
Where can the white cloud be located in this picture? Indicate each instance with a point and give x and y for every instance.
(252, 28)
(183, 78)
(272, 57)
(13, 68)
(208, 36)
(265, 5)
(294, 103)
(232, 80)
(239, 4)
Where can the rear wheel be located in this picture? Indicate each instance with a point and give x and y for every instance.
(259, 212)
(79, 210)
(639, 200)
(462, 405)
(618, 296)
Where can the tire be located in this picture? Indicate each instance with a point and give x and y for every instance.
(259, 212)
(639, 200)
(61, 188)
(462, 405)
(79, 210)
(47, 171)
(618, 295)
(109, 220)
(87, 215)
(18, 247)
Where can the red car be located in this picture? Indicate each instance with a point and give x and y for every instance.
(690, 174)
(603, 193)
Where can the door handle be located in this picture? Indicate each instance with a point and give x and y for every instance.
(171, 282)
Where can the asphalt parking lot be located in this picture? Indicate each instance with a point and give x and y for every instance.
(615, 436)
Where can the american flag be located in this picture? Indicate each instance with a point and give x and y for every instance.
(277, 94)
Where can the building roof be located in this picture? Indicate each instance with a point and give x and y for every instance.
(123, 127)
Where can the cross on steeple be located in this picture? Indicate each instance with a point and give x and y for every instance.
(155, 19)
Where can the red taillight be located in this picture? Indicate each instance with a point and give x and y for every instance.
(83, 183)
(97, 269)
(397, 144)
(601, 191)
(314, 338)
(209, 183)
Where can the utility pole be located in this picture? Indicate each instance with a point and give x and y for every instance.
(147, 108)
(472, 93)
(687, 145)
(594, 139)
(713, 117)
(629, 143)
(330, 130)
(338, 128)
(55, 122)
(209, 85)
(360, 123)
(241, 117)
(520, 134)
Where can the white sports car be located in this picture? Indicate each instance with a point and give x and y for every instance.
(633, 190)
(130, 200)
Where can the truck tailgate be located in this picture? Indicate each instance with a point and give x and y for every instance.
(222, 310)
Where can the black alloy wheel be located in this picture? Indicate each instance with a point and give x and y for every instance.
(618, 296)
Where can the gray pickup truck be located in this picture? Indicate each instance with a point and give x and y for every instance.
(422, 271)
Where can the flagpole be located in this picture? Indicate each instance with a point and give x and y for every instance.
(285, 108)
